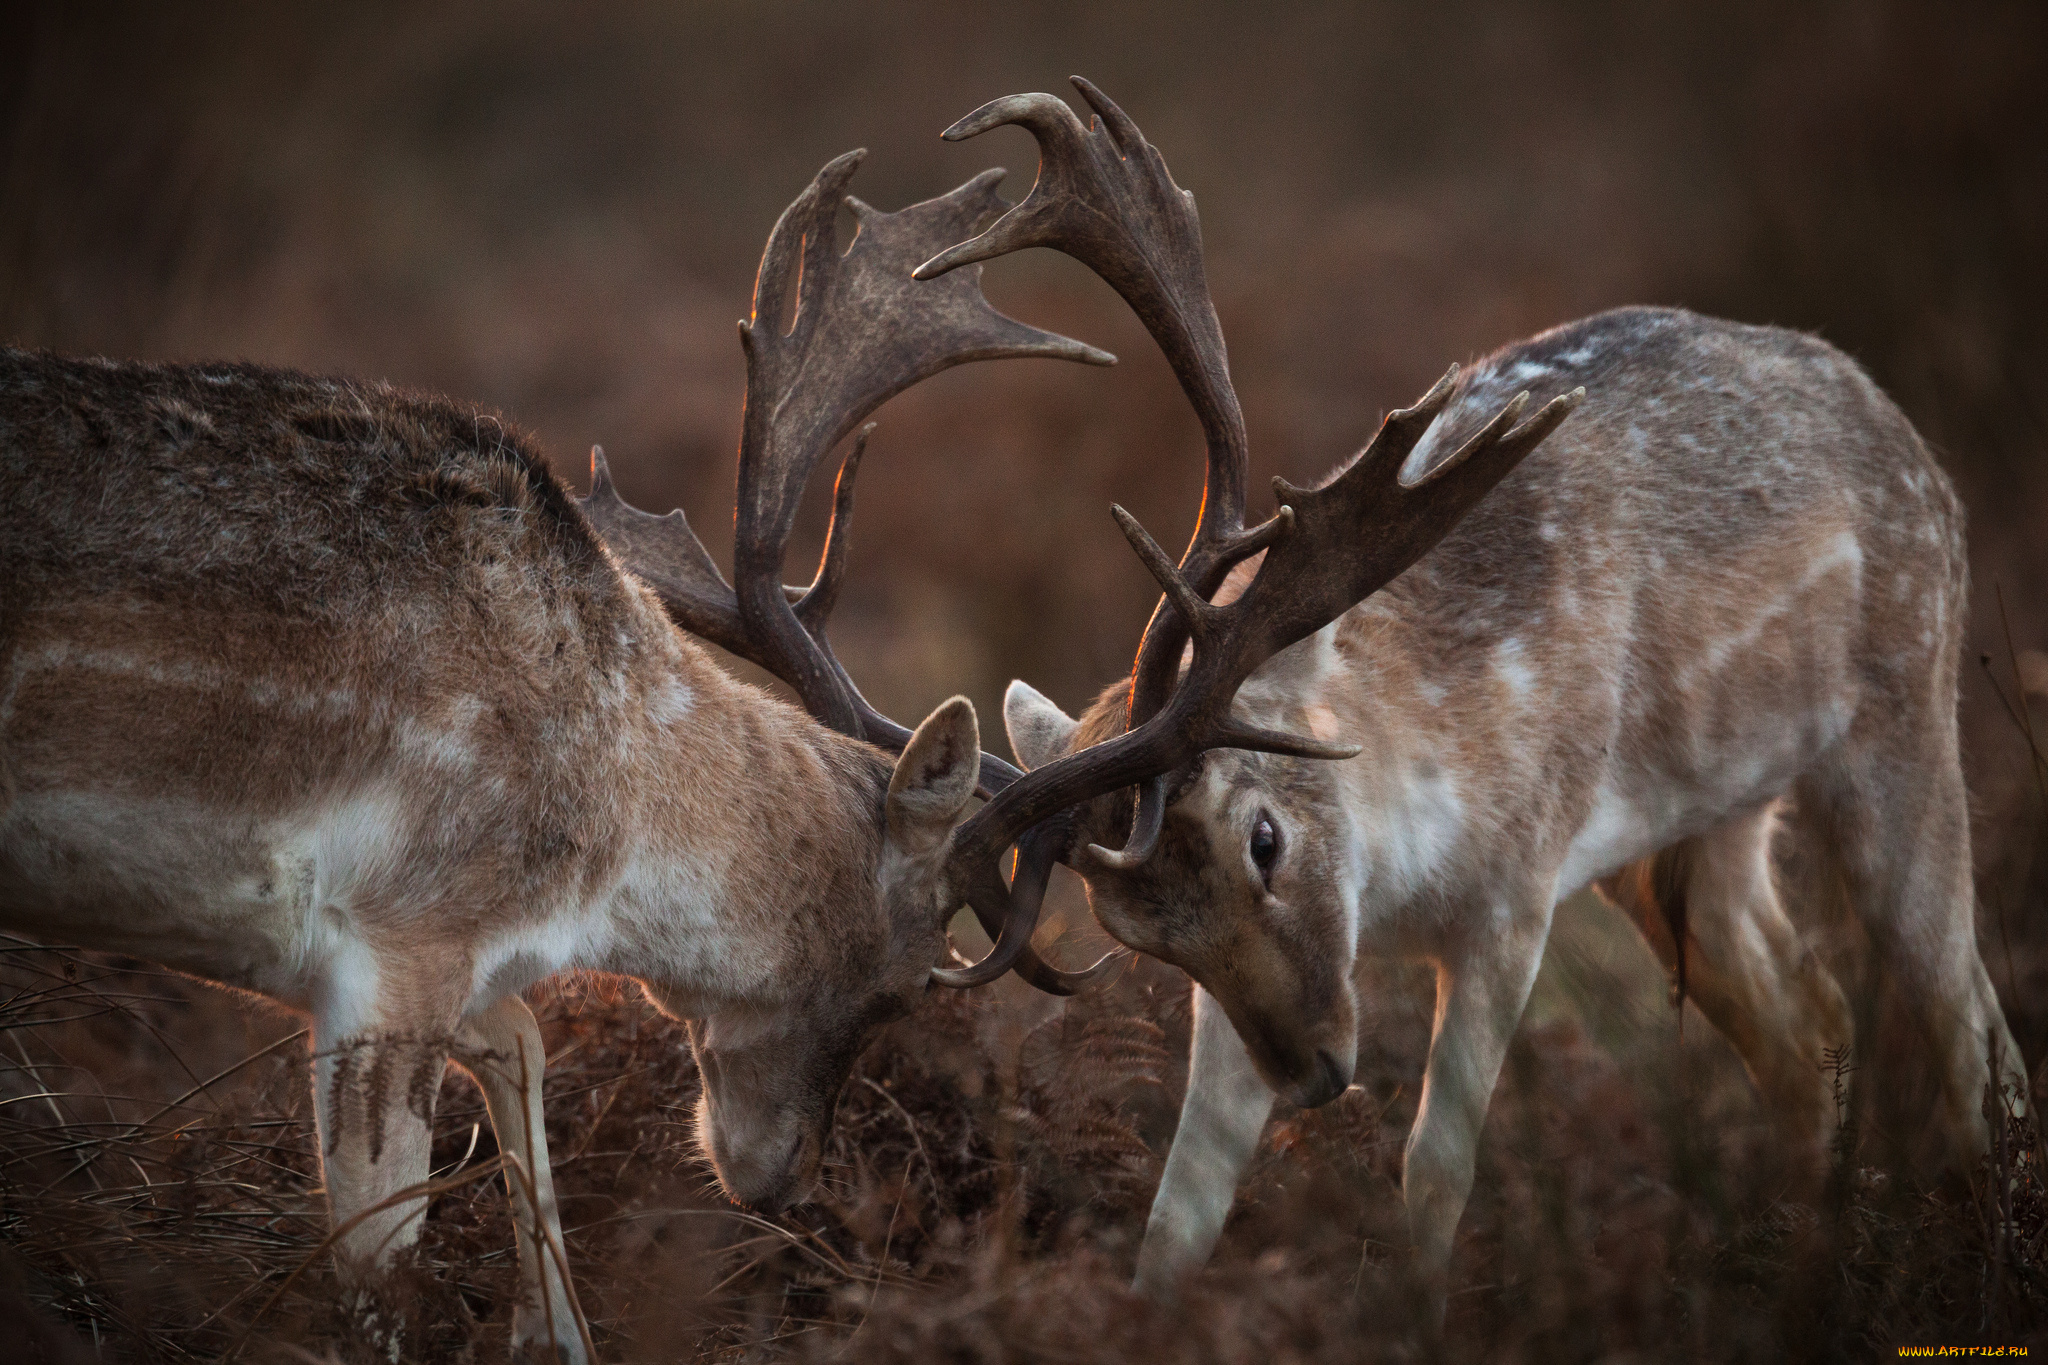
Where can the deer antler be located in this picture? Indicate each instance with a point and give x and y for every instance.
(1104, 196)
(863, 330)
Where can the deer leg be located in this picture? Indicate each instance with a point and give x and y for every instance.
(1746, 966)
(1220, 1122)
(1896, 809)
(501, 1048)
(375, 1080)
(1480, 995)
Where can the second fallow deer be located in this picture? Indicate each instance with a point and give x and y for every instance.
(1735, 574)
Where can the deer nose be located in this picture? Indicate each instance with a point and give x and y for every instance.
(1326, 1084)
(769, 1186)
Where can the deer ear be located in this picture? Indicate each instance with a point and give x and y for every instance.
(935, 778)
(1039, 731)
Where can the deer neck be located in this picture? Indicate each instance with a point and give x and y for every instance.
(755, 846)
(1400, 806)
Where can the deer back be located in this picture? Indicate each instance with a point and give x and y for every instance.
(323, 629)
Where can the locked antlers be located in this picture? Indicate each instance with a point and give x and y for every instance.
(1104, 196)
(867, 325)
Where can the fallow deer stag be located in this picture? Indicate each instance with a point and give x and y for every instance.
(1736, 574)
(336, 695)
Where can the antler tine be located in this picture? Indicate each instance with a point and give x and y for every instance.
(1037, 851)
(991, 902)
(814, 607)
(668, 557)
(665, 553)
(1105, 197)
(1195, 613)
(1148, 822)
(863, 331)
(799, 248)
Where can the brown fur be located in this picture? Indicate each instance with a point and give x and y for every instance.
(330, 692)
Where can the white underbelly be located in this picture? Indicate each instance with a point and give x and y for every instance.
(1637, 815)
(215, 894)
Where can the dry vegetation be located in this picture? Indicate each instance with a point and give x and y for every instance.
(985, 1193)
(559, 218)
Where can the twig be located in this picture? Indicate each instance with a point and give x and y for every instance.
(2019, 687)
(930, 1173)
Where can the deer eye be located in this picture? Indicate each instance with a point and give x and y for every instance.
(1265, 847)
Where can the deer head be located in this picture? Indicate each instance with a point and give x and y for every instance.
(773, 1069)
(1222, 901)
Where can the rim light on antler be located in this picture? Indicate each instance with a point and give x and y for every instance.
(1104, 196)
(903, 303)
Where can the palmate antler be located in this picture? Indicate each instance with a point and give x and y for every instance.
(862, 331)
(1104, 196)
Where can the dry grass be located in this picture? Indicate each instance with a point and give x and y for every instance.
(984, 1195)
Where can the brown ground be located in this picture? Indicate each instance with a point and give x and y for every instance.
(558, 216)
(986, 1191)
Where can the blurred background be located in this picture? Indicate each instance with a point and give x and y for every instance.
(555, 211)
